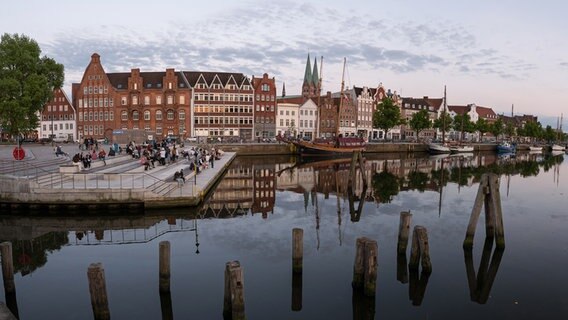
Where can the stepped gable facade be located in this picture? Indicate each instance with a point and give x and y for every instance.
(265, 106)
(58, 118)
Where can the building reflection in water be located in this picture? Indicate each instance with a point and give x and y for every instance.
(250, 186)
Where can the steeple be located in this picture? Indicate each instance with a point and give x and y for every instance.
(315, 74)
(308, 73)
(283, 89)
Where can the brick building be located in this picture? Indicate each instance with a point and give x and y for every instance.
(152, 101)
(265, 107)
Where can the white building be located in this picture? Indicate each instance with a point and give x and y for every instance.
(308, 116)
(57, 119)
(287, 117)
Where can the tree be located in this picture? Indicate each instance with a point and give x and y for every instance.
(496, 128)
(420, 121)
(443, 122)
(510, 129)
(27, 82)
(482, 126)
(549, 134)
(462, 123)
(387, 116)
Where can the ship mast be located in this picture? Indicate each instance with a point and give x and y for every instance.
(340, 98)
(444, 119)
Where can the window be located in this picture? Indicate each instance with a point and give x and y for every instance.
(170, 99)
(265, 87)
(96, 116)
(170, 115)
(146, 115)
(159, 115)
(182, 99)
(85, 90)
(122, 101)
(135, 115)
(111, 116)
(96, 90)
(134, 100)
(158, 99)
(106, 102)
(124, 116)
(182, 114)
(146, 100)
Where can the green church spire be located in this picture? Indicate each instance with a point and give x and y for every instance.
(308, 73)
(315, 74)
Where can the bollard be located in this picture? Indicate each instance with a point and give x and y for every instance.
(97, 288)
(7, 267)
(164, 266)
(297, 249)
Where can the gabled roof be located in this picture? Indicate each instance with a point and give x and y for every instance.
(435, 103)
(290, 99)
(484, 112)
(193, 76)
(459, 109)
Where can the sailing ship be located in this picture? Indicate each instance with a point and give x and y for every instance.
(559, 136)
(334, 146)
(440, 148)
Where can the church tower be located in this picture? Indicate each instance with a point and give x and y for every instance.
(310, 86)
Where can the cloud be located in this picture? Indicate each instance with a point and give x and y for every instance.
(255, 39)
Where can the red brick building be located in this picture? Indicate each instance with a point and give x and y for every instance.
(265, 106)
(152, 101)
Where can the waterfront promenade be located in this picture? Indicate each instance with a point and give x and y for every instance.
(44, 180)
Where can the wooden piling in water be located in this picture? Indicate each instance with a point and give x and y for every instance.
(365, 266)
(296, 291)
(370, 279)
(234, 298)
(7, 267)
(359, 264)
(488, 195)
(403, 231)
(420, 250)
(297, 249)
(97, 288)
(164, 271)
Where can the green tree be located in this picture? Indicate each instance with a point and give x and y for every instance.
(510, 129)
(443, 122)
(27, 81)
(496, 128)
(549, 134)
(482, 126)
(420, 121)
(462, 123)
(387, 116)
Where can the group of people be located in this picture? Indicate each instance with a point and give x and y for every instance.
(87, 157)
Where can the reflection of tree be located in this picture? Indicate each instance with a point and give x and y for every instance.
(528, 168)
(385, 186)
(550, 161)
(30, 255)
(417, 180)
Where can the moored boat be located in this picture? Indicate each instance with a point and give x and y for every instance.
(461, 149)
(506, 147)
(535, 148)
(437, 148)
(557, 147)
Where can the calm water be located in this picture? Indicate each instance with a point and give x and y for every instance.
(250, 218)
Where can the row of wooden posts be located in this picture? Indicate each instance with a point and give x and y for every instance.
(364, 270)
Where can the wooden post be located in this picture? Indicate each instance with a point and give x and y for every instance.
(359, 265)
(164, 266)
(166, 305)
(97, 288)
(352, 168)
(370, 278)
(297, 249)
(420, 250)
(489, 195)
(7, 267)
(234, 300)
(5, 313)
(401, 268)
(403, 231)
(296, 291)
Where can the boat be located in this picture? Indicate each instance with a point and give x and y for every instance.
(557, 147)
(336, 146)
(506, 147)
(437, 148)
(461, 149)
(535, 149)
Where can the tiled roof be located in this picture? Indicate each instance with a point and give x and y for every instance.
(150, 80)
(485, 112)
(290, 99)
(459, 109)
(224, 77)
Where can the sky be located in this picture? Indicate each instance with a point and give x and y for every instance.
(496, 54)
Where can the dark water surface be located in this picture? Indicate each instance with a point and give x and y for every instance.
(250, 217)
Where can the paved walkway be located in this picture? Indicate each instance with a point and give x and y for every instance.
(121, 172)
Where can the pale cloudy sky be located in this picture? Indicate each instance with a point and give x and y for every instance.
(492, 53)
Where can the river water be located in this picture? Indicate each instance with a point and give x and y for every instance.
(250, 216)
